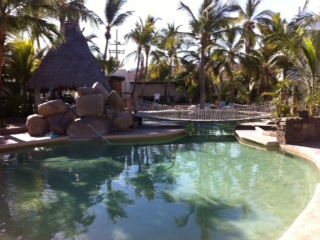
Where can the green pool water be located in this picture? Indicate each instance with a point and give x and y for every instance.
(203, 186)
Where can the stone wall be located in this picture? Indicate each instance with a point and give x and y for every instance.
(295, 130)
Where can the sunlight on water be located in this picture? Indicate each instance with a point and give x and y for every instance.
(204, 186)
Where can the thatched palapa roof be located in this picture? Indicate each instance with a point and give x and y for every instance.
(71, 65)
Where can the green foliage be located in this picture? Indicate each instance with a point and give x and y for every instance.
(21, 61)
(18, 106)
(283, 110)
(112, 65)
(187, 83)
(280, 96)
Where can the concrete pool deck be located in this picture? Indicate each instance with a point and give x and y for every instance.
(149, 131)
(305, 227)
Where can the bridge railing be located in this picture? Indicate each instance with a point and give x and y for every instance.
(163, 112)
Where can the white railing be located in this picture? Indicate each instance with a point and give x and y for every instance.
(192, 113)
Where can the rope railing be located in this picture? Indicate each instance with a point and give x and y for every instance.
(151, 110)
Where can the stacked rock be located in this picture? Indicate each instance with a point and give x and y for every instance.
(96, 112)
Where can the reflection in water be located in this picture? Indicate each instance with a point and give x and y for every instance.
(204, 186)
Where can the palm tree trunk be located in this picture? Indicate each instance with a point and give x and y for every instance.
(2, 41)
(168, 84)
(136, 76)
(145, 75)
(108, 36)
(202, 79)
(232, 88)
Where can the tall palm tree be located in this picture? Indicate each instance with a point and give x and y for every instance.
(227, 52)
(212, 17)
(251, 21)
(142, 36)
(150, 36)
(169, 43)
(113, 19)
(137, 36)
(70, 11)
(15, 16)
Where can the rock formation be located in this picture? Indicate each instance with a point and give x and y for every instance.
(96, 112)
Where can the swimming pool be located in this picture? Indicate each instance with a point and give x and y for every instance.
(203, 186)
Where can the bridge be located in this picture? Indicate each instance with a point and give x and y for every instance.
(150, 110)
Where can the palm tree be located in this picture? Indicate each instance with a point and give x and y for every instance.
(19, 64)
(15, 16)
(150, 36)
(227, 52)
(251, 19)
(307, 66)
(169, 44)
(112, 65)
(136, 35)
(298, 54)
(140, 35)
(212, 17)
(159, 68)
(70, 11)
(34, 31)
(113, 19)
(21, 60)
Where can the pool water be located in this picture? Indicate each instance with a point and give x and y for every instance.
(203, 186)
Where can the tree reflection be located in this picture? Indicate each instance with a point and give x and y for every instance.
(56, 193)
(115, 201)
(209, 182)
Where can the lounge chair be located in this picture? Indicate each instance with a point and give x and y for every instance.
(207, 106)
(230, 105)
(222, 104)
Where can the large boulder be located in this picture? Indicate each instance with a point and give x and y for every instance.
(90, 105)
(99, 89)
(60, 122)
(37, 125)
(123, 121)
(88, 128)
(110, 111)
(115, 99)
(52, 108)
(85, 91)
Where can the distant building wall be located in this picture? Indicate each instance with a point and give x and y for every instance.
(149, 87)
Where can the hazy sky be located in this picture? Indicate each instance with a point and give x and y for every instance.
(167, 11)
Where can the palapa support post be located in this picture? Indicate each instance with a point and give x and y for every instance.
(129, 103)
(135, 97)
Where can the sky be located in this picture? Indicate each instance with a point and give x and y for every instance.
(166, 11)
